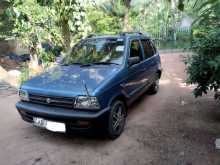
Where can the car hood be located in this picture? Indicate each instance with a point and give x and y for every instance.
(70, 80)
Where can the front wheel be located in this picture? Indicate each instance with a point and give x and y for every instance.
(116, 120)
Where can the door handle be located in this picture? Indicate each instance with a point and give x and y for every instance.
(153, 63)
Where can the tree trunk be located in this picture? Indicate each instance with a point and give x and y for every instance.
(126, 26)
(173, 7)
(65, 29)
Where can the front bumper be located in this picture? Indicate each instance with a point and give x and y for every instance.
(70, 117)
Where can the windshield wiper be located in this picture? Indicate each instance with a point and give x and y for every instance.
(75, 63)
(78, 63)
(89, 64)
(104, 63)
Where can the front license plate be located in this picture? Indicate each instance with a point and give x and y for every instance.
(49, 125)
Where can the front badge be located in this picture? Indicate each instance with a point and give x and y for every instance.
(48, 100)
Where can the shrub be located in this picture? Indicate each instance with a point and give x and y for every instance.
(203, 67)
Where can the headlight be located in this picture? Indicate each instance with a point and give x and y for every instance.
(87, 102)
(23, 94)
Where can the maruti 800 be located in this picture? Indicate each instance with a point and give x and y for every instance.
(93, 85)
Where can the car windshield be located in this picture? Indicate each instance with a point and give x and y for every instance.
(101, 50)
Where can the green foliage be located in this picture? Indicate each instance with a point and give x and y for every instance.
(6, 22)
(35, 25)
(183, 36)
(120, 9)
(25, 75)
(60, 22)
(115, 8)
(45, 2)
(71, 20)
(32, 24)
(203, 67)
(160, 19)
(46, 57)
(102, 23)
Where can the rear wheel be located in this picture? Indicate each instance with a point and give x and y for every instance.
(154, 88)
(116, 120)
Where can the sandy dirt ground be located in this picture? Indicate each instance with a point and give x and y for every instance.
(170, 128)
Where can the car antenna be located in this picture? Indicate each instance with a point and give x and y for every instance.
(86, 89)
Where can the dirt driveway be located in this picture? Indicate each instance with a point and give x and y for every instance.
(170, 128)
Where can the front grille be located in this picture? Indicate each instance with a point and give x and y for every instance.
(66, 102)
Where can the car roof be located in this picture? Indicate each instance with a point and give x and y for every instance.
(121, 35)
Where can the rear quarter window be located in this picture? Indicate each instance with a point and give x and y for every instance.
(154, 48)
(149, 50)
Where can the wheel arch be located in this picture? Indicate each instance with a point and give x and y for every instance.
(120, 97)
(159, 72)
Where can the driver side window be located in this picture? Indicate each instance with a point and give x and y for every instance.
(135, 49)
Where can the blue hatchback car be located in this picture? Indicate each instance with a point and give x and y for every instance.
(93, 85)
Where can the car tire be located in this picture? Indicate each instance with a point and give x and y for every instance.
(154, 88)
(116, 119)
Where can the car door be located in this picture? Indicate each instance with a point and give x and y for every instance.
(150, 62)
(135, 77)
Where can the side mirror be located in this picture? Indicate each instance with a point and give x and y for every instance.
(133, 60)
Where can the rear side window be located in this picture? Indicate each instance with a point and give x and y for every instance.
(135, 49)
(148, 49)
